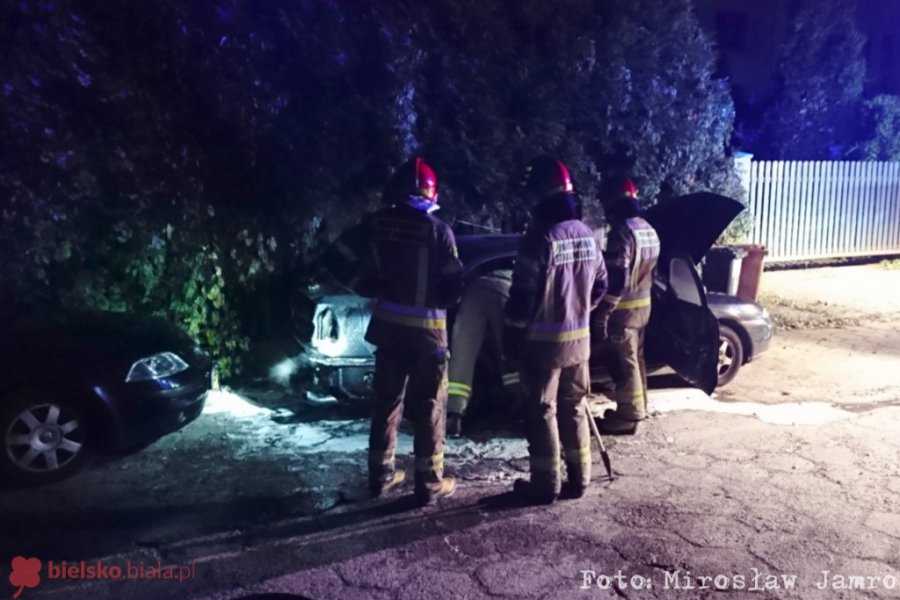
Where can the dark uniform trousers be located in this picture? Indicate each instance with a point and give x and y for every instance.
(624, 354)
(546, 393)
(420, 380)
(419, 275)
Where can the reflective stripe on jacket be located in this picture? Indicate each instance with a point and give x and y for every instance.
(631, 256)
(419, 275)
(559, 278)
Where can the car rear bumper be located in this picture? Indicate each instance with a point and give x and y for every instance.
(348, 377)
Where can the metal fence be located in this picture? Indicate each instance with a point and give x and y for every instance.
(817, 209)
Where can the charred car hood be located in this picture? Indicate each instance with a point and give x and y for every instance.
(691, 224)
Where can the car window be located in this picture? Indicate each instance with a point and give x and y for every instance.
(684, 282)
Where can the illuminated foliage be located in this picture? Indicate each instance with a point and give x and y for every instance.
(881, 126)
(185, 158)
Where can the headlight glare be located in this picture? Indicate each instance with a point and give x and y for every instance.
(159, 365)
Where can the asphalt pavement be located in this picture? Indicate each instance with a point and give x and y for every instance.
(704, 503)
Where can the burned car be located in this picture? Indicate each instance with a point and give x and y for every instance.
(704, 338)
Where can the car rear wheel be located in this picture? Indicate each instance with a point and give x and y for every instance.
(45, 438)
(731, 354)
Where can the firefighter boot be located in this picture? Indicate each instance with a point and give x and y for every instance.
(384, 484)
(571, 491)
(426, 495)
(613, 424)
(528, 493)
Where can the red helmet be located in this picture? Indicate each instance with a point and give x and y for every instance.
(546, 176)
(615, 189)
(416, 178)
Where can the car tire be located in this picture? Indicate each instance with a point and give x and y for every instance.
(45, 437)
(731, 355)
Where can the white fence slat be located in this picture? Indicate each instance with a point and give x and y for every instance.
(825, 209)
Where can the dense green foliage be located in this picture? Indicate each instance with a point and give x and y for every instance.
(821, 74)
(881, 124)
(820, 109)
(183, 158)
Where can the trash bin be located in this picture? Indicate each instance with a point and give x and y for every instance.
(722, 269)
(751, 272)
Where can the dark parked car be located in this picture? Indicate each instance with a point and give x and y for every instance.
(76, 383)
(704, 338)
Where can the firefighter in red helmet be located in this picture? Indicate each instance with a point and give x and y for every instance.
(418, 275)
(559, 277)
(632, 251)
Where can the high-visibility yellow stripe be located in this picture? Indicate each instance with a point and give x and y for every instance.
(435, 462)
(546, 465)
(384, 458)
(456, 389)
(460, 385)
(627, 304)
(560, 336)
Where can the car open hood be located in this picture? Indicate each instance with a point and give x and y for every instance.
(691, 224)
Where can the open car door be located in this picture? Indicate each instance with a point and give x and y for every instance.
(682, 329)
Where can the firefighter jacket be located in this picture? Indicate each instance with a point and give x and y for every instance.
(418, 275)
(559, 277)
(632, 251)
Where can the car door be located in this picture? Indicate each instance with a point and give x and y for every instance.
(683, 332)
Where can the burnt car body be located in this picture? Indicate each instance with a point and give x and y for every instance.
(76, 383)
(704, 338)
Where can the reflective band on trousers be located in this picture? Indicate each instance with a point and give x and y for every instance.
(411, 316)
(582, 455)
(637, 300)
(511, 378)
(382, 458)
(558, 332)
(459, 389)
(430, 463)
(628, 304)
(544, 465)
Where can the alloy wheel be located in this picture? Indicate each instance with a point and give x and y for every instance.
(44, 438)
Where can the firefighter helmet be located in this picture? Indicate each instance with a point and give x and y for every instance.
(546, 176)
(415, 178)
(617, 191)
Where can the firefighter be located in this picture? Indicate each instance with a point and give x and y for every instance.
(559, 277)
(418, 275)
(632, 251)
(478, 324)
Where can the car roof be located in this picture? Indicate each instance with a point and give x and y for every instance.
(476, 250)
